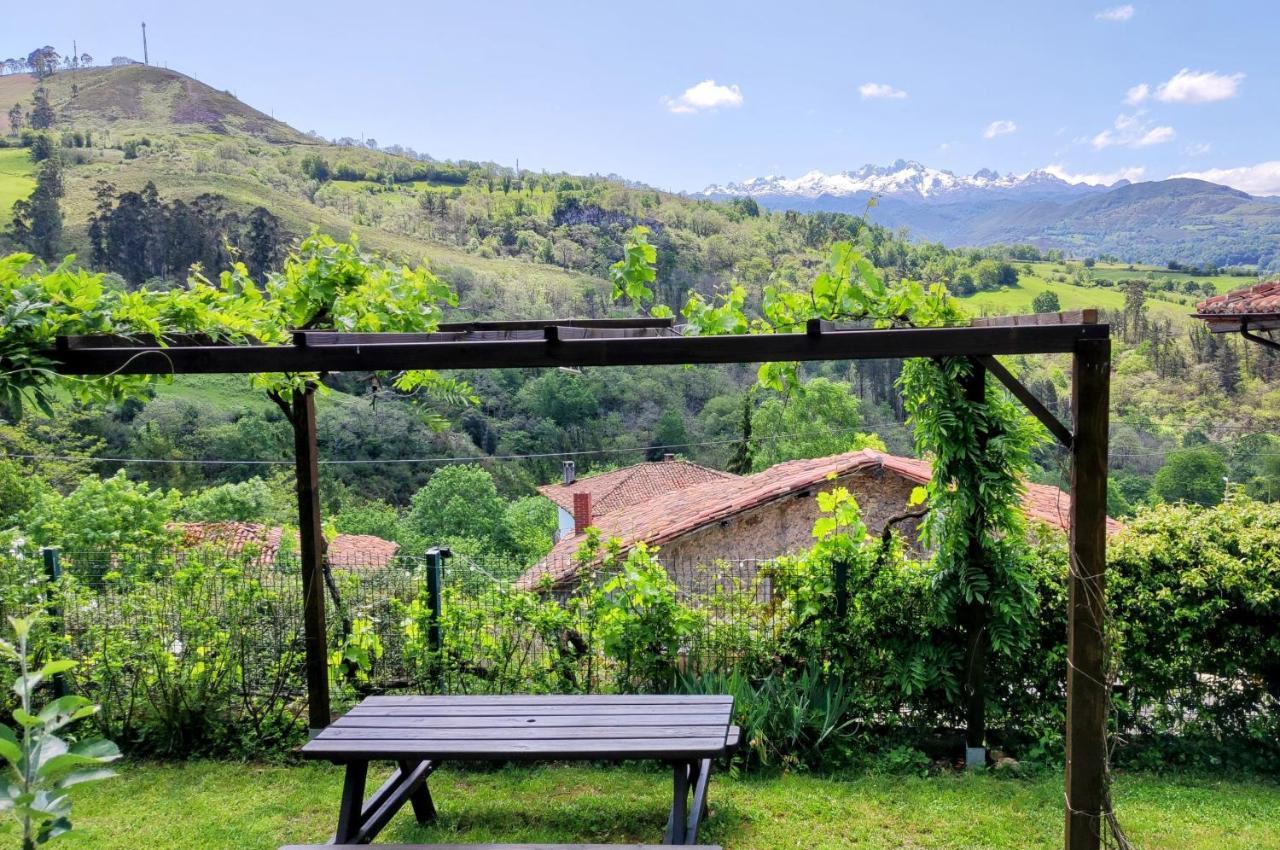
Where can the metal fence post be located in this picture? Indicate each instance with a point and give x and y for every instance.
(435, 580)
(53, 572)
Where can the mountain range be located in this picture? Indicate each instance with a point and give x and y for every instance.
(1190, 221)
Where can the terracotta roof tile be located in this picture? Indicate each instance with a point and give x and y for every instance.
(679, 512)
(1262, 299)
(347, 551)
(633, 485)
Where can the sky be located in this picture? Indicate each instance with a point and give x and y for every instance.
(681, 95)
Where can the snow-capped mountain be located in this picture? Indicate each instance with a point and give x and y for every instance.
(906, 180)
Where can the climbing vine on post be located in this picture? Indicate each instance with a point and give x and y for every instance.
(979, 442)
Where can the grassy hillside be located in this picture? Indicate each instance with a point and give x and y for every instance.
(16, 179)
(1099, 288)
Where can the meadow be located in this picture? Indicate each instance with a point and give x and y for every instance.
(16, 179)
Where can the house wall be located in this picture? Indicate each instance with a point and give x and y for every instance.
(785, 526)
(564, 523)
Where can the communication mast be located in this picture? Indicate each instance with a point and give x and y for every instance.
(146, 60)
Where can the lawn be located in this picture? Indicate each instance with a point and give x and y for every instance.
(16, 179)
(224, 805)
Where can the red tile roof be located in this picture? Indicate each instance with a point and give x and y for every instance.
(1262, 299)
(633, 485)
(679, 512)
(346, 551)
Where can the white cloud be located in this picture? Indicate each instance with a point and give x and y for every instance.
(1260, 179)
(1131, 131)
(707, 94)
(1132, 174)
(1189, 86)
(1116, 14)
(880, 91)
(1197, 149)
(1137, 94)
(999, 128)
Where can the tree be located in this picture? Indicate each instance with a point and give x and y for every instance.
(1046, 302)
(1192, 475)
(15, 119)
(42, 116)
(818, 420)
(245, 501)
(669, 434)
(104, 515)
(1090, 262)
(459, 501)
(37, 221)
(43, 61)
(741, 462)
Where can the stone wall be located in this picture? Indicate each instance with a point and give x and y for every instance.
(785, 525)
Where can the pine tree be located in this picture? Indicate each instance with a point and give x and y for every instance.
(42, 115)
(37, 221)
(740, 463)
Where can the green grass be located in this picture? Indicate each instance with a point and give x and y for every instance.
(17, 178)
(1016, 300)
(245, 807)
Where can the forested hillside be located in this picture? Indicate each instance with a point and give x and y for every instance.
(145, 173)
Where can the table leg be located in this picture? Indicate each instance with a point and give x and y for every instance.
(360, 821)
(699, 807)
(424, 808)
(678, 822)
(351, 809)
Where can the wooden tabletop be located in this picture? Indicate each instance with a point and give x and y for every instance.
(493, 728)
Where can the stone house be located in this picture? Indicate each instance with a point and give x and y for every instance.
(735, 518)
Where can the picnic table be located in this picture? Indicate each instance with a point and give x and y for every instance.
(419, 733)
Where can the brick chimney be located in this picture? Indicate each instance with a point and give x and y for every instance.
(581, 512)
(570, 472)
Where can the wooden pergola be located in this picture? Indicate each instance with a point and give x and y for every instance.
(650, 342)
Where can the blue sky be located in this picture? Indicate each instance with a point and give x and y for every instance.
(685, 94)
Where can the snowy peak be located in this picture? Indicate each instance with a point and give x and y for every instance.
(904, 179)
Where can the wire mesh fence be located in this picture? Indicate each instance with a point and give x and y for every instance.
(480, 628)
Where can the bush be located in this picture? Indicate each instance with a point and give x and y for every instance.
(1196, 596)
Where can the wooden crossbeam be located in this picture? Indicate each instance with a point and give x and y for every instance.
(1036, 408)
(466, 353)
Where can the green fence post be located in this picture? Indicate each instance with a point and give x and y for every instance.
(53, 572)
(435, 580)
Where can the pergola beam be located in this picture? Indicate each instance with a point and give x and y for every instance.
(1019, 390)
(563, 350)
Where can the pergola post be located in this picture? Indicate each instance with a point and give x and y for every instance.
(1087, 693)
(974, 612)
(311, 551)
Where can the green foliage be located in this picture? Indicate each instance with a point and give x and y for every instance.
(104, 516)
(43, 764)
(460, 500)
(1046, 302)
(1196, 596)
(820, 418)
(531, 521)
(632, 276)
(204, 660)
(246, 501)
(641, 624)
(1192, 475)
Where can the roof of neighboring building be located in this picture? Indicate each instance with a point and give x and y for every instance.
(349, 551)
(1259, 301)
(678, 512)
(633, 485)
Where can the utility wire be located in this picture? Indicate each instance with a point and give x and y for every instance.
(457, 459)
